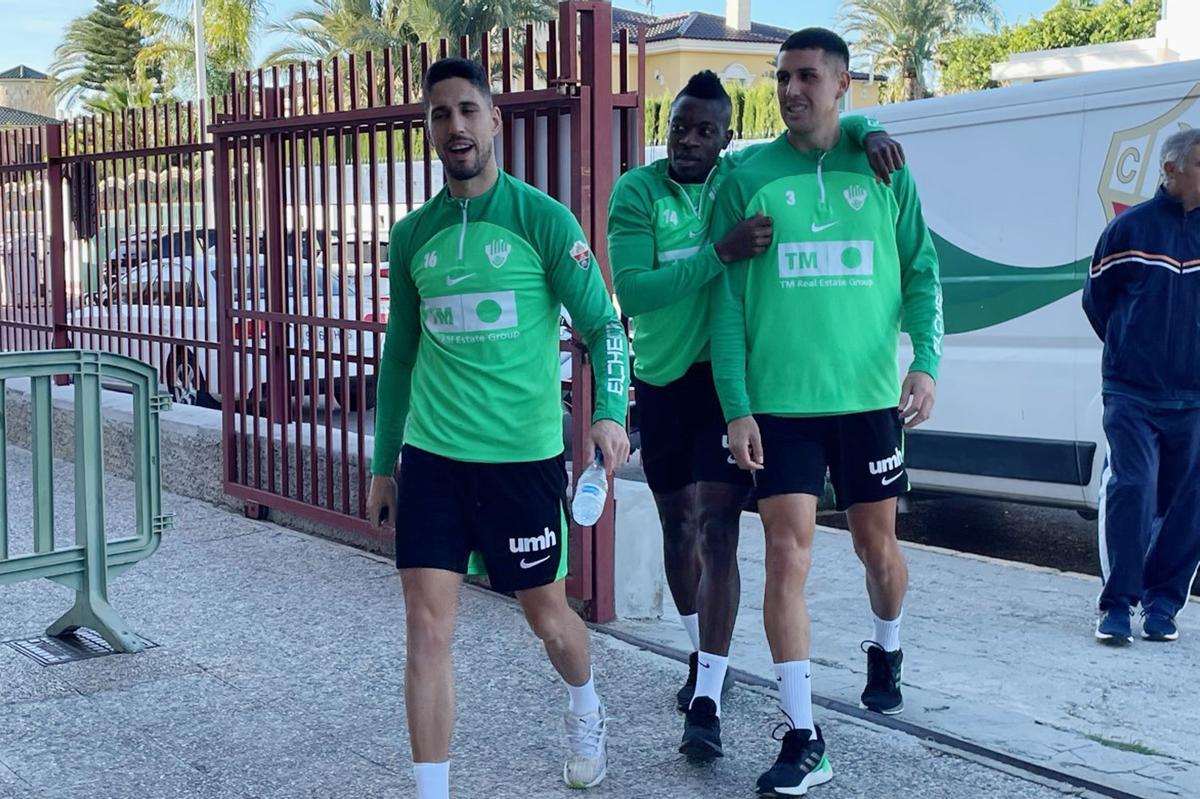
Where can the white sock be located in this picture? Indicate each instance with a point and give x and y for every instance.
(433, 780)
(691, 623)
(710, 679)
(584, 699)
(795, 693)
(887, 633)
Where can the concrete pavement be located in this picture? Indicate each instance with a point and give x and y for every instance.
(279, 673)
(997, 654)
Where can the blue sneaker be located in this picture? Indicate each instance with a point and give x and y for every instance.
(1159, 627)
(1114, 627)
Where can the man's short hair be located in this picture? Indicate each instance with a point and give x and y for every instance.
(705, 85)
(1179, 146)
(448, 68)
(818, 39)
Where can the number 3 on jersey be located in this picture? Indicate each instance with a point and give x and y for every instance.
(791, 197)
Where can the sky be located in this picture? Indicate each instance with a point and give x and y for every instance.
(31, 31)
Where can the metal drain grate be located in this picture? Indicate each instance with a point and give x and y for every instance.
(83, 644)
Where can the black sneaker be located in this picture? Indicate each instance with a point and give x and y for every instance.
(684, 697)
(884, 673)
(801, 764)
(702, 732)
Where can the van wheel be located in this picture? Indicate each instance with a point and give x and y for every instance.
(186, 381)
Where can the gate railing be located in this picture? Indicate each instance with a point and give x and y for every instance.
(269, 298)
(88, 565)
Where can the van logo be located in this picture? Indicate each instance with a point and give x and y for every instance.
(856, 196)
(1131, 172)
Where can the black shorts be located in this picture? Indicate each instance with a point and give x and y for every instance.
(863, 452)
(513, 514)
(683, 433)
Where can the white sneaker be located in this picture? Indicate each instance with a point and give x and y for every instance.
(587, 749)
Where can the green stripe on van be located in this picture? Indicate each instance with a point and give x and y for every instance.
(978, 293)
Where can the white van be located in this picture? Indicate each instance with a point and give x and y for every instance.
(1017, 185)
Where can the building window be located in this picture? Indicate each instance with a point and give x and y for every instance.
(738, 74)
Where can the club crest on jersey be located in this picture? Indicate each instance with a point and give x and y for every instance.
(856, 196)
(497, 252)
(581, 254)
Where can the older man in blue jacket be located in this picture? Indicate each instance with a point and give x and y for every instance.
(1143, 299)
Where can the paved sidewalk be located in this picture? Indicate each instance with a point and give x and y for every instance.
(998, 654)
(279, 674)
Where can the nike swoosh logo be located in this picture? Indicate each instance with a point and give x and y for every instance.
(525, 565)
(702, 663)
(818, 228)
(453, 281)
(694, 234)
(887, 481)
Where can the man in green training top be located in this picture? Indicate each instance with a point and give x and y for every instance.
(804, 346)
(469, 384)
(663, 264)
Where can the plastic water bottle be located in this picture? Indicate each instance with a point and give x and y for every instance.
(590, 493)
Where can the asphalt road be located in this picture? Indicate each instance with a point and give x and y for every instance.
(1059, 539)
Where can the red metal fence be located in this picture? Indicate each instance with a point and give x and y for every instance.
(138, 276)
(269, 299)
(27, 318)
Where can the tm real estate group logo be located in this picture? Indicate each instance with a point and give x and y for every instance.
(1132, 173)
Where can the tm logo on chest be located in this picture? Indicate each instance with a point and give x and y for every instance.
(493, 314)
(804, 259)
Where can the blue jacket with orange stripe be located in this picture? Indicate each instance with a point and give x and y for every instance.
(1143, 299)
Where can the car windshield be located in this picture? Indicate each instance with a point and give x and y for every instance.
(184, 243)
(319, 277)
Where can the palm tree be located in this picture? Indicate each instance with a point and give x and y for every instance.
(340, 27)
(901, 36)
(120, 95)
(98, 48)
(230, 30)
(452, 19)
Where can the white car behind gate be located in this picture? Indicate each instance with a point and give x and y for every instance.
(174, 301)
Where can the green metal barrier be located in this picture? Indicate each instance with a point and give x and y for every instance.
(92, 562)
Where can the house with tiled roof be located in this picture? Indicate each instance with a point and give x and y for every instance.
(733, 46)
(16, 118)
(26, 97)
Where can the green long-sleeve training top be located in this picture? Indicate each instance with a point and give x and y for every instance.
(812, 326)
(470, 366)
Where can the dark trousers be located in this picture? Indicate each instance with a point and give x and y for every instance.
(1149, 506)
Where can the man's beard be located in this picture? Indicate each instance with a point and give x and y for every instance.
(471, 170)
